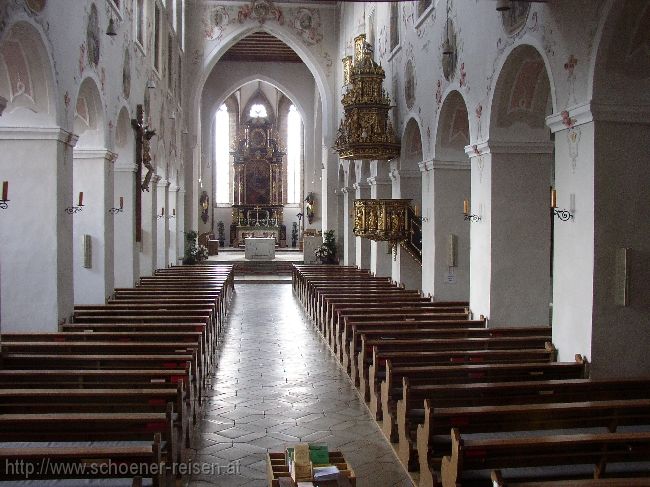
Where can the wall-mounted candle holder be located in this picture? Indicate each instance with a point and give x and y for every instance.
(467, 216)
(173, 215)
(5, 195)
(563, 215)
(162, 215)
(113, 211)
(80, 206)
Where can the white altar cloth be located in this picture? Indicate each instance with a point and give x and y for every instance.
(260, 248)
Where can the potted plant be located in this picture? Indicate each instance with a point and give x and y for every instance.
(193, 253)
(221, 229)
(294, 234)
(326, 253)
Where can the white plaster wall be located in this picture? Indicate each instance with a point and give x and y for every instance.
(93, 174)
(162, 224)
(127, 266)
(451, 187)
(481, 236)
(573, 254)
(149, 248)
(36, 234)
(520, 282)
(620, 339)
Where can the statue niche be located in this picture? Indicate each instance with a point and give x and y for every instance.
(258, 190)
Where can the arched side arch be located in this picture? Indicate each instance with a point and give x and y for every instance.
(521, 98)
(452, 98)
(452, 133)
(29, 85)
(533, 49)
(89, 117)
(411, 153)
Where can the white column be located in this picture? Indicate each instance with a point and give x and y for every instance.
(36, 281)
(173, 225)
(180, 224)
(405, 269)
(93, 174)
(380, 188)
(162, 223)
(445, 184)
(362, 246)
(510, 253)
(149, 248)
(329, 180)
(349, 240)
(127, 265)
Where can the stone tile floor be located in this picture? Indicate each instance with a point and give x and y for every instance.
(277, 384)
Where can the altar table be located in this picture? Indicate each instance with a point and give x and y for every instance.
(260, 248)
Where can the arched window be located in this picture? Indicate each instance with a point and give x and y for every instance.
(294, 155)
(258, 111)
(222, 155)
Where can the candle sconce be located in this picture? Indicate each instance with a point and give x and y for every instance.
(467, 216)
(173, 215)
(5, 195)
(76, 209)
(162, 215)
(563, 215)
(114, 211)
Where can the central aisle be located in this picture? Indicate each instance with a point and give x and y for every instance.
(277, 384)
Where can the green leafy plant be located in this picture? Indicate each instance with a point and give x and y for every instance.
(327, 251)
(193, 253)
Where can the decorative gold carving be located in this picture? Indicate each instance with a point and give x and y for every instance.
(382, 219)
(365, 131)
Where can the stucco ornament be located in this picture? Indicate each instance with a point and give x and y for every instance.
(126, 74)
(308, 25)
(515, 18)
(260, 11)
(409, 84)
(215, 21)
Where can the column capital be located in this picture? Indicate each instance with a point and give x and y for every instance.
(39, 133)
(174, 188)
(162, 182)
(125, 167)
(434, 164)
(379, 181)
(592, 111)
(95, 153)
(155, 178)
(361, 185)
(509, 147)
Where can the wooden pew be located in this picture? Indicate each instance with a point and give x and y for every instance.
(92, 427)
(499, 481)
(392, 391)
(442, 399)
(431, 345)
(86, 462)
(596, 449)
(105, 400)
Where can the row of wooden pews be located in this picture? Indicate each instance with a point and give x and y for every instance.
(117, 392)
(468, 405)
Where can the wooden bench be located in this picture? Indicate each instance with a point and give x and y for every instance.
(380, 348)
(392, 391)
(87, 462)
(499, 481)
(596, 449)
(439, 414)
(126, 428)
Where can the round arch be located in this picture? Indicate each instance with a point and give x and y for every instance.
(30, 85)
(453, 118)
(89, 117)
(411, 145)
(532, 45)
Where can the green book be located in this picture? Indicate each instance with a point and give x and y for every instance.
(319, 454)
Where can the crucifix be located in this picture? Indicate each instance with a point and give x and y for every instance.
(142, 158)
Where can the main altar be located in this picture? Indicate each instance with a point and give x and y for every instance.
(258, 185)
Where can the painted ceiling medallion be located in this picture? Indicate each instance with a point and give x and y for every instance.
(409, 84)
(514, 19)
(36, 6)
(261, 11)
(450, 52)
